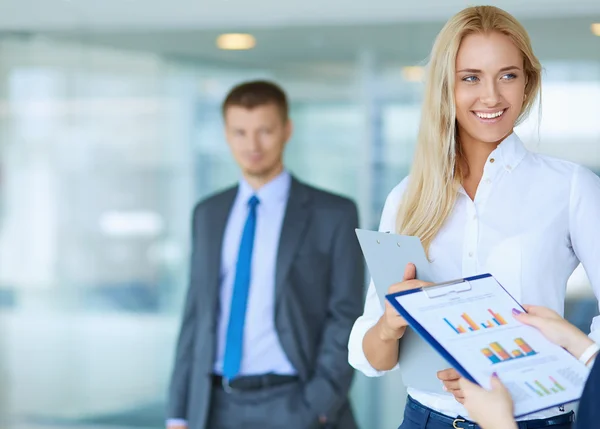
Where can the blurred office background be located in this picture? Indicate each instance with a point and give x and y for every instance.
(110, 131)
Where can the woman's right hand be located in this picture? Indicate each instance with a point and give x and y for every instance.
(555, 328)
(391, 325)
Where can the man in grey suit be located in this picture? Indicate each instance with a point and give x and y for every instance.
(276, 284)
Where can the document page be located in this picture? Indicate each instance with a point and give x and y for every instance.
(475, 326)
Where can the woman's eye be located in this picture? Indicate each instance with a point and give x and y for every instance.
(470, 79)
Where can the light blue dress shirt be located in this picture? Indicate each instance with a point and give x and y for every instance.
(262, 351)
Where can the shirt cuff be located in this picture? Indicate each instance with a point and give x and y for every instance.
(356, 354)
(595, 334)
(588, 354)
(176, 422)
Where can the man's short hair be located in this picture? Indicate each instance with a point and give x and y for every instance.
(257, 93)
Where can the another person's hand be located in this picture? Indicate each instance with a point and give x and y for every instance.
(555, 328)
(490, 409)
(391, 325)
(450, 377)
(493, 409)
(547, 321)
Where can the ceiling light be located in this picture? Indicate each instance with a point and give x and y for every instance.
(236, 41)
(413, 73)
(596, 28)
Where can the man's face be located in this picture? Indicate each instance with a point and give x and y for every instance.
(257, 139)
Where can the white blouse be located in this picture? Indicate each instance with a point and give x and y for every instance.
(533, 219)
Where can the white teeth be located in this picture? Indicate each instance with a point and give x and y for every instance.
(489, 115)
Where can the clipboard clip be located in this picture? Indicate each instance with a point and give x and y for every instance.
(445, 288)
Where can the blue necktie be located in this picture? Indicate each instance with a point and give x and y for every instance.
(241, 285)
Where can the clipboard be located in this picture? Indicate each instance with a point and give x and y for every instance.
(387, 255)
(435, 291)
(466, 343)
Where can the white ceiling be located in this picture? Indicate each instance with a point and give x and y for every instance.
(331, 49)
(203, 14)
(320, 37)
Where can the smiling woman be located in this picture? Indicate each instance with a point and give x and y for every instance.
(489, 95)
(481, 203)
(486, 94)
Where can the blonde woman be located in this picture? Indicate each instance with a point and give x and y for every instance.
(481, 202)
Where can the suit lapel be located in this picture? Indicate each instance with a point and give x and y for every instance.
(294, 223)
(215, 224)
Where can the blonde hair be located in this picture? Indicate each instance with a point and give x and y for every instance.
(436, 172)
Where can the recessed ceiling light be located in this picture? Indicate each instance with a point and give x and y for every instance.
(413, 73)
(236, 41)
(596, 28)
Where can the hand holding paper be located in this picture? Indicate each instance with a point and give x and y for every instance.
(470, 322)
(392, 325)
(450, 377)
(387, 256)
(491, 409)
(555, 328)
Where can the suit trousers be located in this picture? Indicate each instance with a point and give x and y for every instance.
(269, 408)
(278, 407)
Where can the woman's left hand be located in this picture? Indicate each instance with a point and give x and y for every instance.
(490, 409)
(450, 379)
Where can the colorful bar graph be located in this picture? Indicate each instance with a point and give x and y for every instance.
(452, 326)
(525, 347)
(470, 322)
(472, 326)
(558, 386)
(490, 355)
(496, 353)
(458, 329)
(497, 318)
(542, 390)
(534, 389)
(541, 386)
(496, 347)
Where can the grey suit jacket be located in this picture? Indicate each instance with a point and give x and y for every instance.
(318, 296)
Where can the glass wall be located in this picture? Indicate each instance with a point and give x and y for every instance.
(97, 184)
(103, 154)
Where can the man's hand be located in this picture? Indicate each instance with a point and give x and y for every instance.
(491, 409)
(176, 426)
(450, 377)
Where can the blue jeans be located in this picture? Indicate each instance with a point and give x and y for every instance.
(418, 416)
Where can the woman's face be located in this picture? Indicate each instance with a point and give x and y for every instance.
(490, 87)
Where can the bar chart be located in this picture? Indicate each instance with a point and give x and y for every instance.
(471, 326)
(542, 389)
(496, 353)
